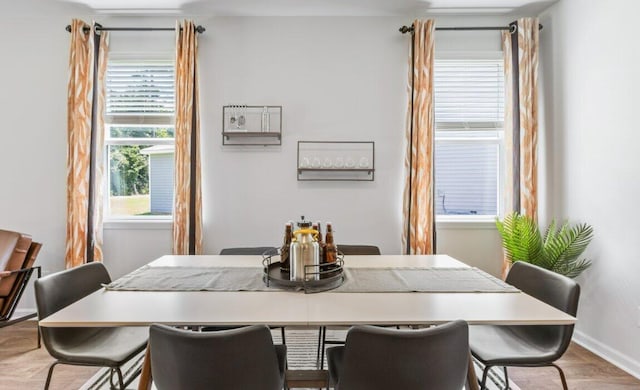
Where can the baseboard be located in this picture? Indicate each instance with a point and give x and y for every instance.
(618, 359)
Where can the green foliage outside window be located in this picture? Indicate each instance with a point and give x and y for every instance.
(129, 169)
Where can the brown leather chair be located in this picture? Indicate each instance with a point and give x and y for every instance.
(17, 254)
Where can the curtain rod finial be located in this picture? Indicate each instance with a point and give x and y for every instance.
(405, 29)
(200, 29)
(68, 28)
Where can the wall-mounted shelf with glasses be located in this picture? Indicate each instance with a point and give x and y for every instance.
(336, 160)
(251, 125)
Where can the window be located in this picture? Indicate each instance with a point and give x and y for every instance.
(139, 139)
(469, 114)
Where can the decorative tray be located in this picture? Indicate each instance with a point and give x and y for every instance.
(318, 278)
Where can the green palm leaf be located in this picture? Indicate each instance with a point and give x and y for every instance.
(563, 248)
(520, 238)
(558, 250)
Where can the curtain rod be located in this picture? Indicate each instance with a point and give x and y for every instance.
(199, 29)
(512, 29)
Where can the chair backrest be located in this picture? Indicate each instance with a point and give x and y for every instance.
(9, 302)
(380, 358)
(242, 358)
(350, 250)
(59, 290)
(554, 289)
(13, 250)
(16, 252)
(258, 250)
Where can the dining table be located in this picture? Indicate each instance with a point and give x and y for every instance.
(275, 306)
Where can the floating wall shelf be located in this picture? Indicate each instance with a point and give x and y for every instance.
(251, 125)
(336, 161)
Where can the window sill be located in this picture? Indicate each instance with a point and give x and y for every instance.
(138, 224)
(465, 222)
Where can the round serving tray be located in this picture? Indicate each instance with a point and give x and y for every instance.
(330, 276)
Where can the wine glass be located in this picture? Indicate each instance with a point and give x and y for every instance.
(242, 117)
(232, 118)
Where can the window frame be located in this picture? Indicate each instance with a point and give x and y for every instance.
(472, 221)
(158, 120)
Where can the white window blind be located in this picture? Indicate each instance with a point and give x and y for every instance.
(140, 89)
(469, 114)
(469, 91)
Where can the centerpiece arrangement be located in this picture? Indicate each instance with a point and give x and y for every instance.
(305, 260)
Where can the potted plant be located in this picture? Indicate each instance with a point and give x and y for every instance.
(558, 250)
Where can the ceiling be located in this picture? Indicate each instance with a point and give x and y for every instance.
(313, 7)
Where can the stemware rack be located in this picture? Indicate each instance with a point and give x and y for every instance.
(336, 161)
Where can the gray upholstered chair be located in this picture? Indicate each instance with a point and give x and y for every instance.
(376, 358)
(247, 251)
(530, 345)
(242, 358)
(104, 347)
(257, 250)
(347, 250)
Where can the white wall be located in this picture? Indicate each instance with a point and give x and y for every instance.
(337, 79)
(589, 56)
(33, 80)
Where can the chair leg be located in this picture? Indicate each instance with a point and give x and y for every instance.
(46, 384)
(39, 336)
(562, 377)
(284, 340)
(506, 378)
(322, 345)
(319, 355)
(485, 372)
(121, 384)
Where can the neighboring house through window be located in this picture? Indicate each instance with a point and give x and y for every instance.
(469, 114)
(139, 139)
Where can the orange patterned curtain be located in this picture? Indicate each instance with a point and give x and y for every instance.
(509, 164)
(418, 215)
(85, 142)
(98, 150)
(521, 119)
(528, 41)
(187, 213)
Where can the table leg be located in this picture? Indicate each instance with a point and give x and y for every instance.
(145, 375)
(472, 379)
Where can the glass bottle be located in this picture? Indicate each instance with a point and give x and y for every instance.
(330, 250)
(321, 242)
(265, 119)
(284, 251)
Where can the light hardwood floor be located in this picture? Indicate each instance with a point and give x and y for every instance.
(24, 367)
